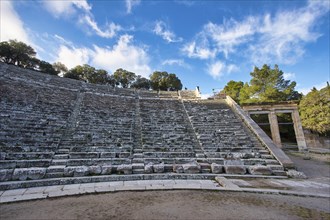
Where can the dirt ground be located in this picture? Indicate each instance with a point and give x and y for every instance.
(184, 204)
(181, 204)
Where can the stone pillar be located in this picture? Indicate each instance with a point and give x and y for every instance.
(274, 128)
(298, 131)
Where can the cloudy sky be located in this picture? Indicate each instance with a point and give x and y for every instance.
(206, 43)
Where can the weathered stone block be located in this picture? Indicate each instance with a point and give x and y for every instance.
(235, 169)
(68, 171)
(159, 168)
(216, 168)
(234, 162)
(106, 169)
(6, 174)
(95, 170)
(260, 170)
(81, 171)
(124, 169)
(29, 173)
(192, 167)
(296, 174)
(177, 168)
(148, 168)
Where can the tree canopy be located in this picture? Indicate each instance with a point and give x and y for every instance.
(266, 85)
(165, 81)
(141, 83)
(20, 54)
(17, 53)
(233, 89)
(88, 74)
(124, 77)
(315, 110)
(60, 67)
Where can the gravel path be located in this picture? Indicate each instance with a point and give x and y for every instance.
(183, 204)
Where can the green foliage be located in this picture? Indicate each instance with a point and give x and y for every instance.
(17, 53)
(165, 81)
(315, 110)
(47, 68)
(88, 74)
(141, 83)
(268, 85)
(233, 89)
(124, 77)
(60, 67)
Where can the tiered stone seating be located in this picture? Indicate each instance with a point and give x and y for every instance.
(145, 94)
(32, 121)
(188, 94)
(166, 136)
(223, 136)
(168, 94)
(52, 127)
(102, 135)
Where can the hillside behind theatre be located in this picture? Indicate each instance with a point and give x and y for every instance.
(62, 129)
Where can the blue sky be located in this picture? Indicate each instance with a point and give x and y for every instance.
(206, 43)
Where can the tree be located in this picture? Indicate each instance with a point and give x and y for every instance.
(233, 89)
(17, 53)
(141, 83)
(124, 77)
(173, 83)
(47, 68)
(314, 110)
(60, 67)
(88, 74)
(158, 80)
(165, 81)
(268, 85)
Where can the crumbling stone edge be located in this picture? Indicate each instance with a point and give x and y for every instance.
(284, 160)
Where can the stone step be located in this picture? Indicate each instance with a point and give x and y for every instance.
(266, 156)
(54, 175)
(63, 150)
(276, 167)
(54, 169)
(279, 173)
(138, 171)
(138, 166)
(138, 155)
(138, 160)
(58, 162)
(61, 156)
(272, 162)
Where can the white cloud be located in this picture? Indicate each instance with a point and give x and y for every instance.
(130, 4)
(11, 26)
(110, 31)
(162, 30)
(71, 56)
(280, 38)
(194, 50)
(289, 76)
(219, 69)
(122, 55)
(82, 11)
(66, 8)
(178, 62)
(306, 90)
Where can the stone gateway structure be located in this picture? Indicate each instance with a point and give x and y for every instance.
(60, 131)
(271, 110)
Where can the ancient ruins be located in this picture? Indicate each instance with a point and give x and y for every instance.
(56, 130)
